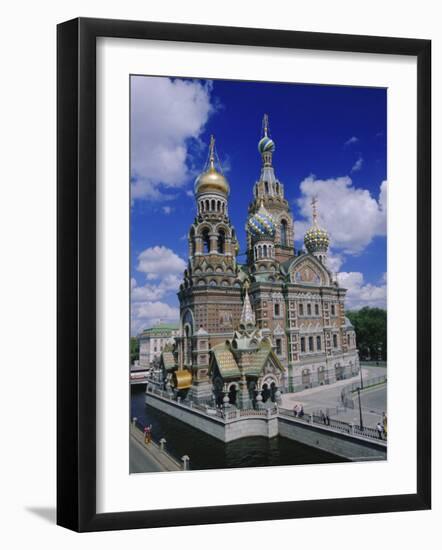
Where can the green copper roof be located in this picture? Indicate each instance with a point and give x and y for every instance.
(160, 328)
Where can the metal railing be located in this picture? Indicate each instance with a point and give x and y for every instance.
(226, 414)
(338, 425)
(347, 391)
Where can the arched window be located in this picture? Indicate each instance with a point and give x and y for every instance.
(266, 184)
(206, 241)
(318, 343)
(207, 205)
(302, 344)
(221, 241)
(335, 341)
(283, 230)
(310, 343)
(265, 250)
(213, 205)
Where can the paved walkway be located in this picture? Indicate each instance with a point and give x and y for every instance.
(373, 400)
(148, 458)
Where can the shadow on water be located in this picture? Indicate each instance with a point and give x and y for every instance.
(206, 452)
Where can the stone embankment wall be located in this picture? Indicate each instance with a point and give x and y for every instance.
(322, 437)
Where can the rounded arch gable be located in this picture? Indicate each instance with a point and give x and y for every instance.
(309, 271)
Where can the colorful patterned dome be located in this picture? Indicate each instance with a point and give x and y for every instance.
(266, 145)
(261, 225)
(316, 240)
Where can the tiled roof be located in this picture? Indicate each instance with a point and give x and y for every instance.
(225, 361)
(168, 360)
(259, 359)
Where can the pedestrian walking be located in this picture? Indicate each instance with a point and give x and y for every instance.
(323, 418)
(327, 419)
(148, 434)
(295, 410)
(301, 412)
(380, 430)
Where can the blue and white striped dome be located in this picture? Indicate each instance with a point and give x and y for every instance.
(266, 145)
(261, 225)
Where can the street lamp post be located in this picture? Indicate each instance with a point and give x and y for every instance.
(360, 372)
(360, 409)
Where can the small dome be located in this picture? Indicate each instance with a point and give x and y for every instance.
(348, 324)
(211, 181)
(266, 145)
(261, 225)
(316, 240)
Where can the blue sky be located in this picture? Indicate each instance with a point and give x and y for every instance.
(330, 142)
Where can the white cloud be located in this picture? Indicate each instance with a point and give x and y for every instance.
(164, 271)
(168, 210)
(158, 262)
(360, 294)
(351, 140)
(334, 261)
(357, 165)
(146, 314)
(166, 116)
(352, 216)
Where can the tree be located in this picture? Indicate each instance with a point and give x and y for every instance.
(134, 350)
(370, 325)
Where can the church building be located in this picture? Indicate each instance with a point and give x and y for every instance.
(274, 323)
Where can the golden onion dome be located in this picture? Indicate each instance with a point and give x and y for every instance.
(316, 239)
(211, 180)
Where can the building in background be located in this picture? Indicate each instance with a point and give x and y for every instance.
(153, 341)
(292, 301)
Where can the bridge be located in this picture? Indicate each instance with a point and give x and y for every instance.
(139, 376)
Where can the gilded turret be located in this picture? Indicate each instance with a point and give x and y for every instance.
(316, 240)
(212, 180)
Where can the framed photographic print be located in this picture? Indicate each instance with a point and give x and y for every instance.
(243, 316)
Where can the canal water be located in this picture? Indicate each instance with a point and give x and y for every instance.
(206, 452)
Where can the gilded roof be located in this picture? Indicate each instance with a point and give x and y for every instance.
(182, 379)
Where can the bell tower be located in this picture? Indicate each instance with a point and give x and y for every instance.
(210, 295)
(269, 191)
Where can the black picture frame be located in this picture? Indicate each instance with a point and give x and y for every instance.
(76, 273)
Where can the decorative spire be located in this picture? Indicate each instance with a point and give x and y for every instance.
(265, 124)
(314, 211)
(247, 316)
(266, 146)
(316, 240)
(212, 152)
